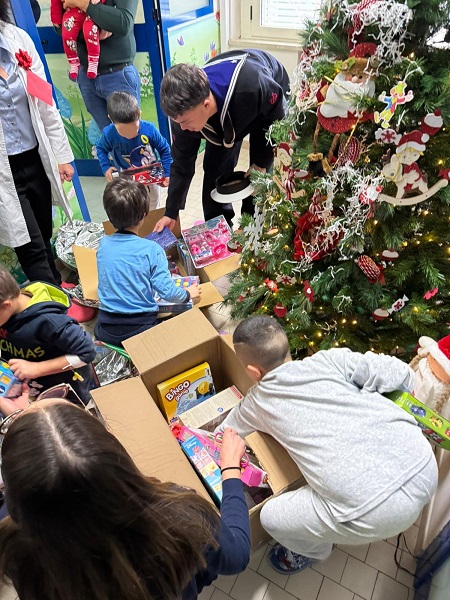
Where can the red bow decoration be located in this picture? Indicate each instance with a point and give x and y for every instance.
(431, 293)
(271, 285)
(24, 60)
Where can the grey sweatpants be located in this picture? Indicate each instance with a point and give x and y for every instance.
(302, 522)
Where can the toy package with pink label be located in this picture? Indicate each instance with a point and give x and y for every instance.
(208, 242)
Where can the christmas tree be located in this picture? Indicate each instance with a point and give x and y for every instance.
(350, 242)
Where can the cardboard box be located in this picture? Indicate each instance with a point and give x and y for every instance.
(209, 414)
(86, 260)
(209, 273)
(128, 407)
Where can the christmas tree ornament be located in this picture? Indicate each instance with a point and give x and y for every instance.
(398, 304)
(380, 314)
(387, 136)
(432, 369)
(308, 291)
(261, 265)
(445, 173)
(339, 111)
(350, 149)
(428, 295)
(233, 246)
(370, 269)
(271, 285)
(432, 122)
(369, 194)
(280, 310)
(318, 166)
(397, 98)
(389, 255)
(286, 279)
(403, 170)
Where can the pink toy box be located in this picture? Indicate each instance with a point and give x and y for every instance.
(208, 242)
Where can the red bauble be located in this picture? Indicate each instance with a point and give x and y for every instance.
(380, 314)
(271, 285)
(370, 269)
(280, 310)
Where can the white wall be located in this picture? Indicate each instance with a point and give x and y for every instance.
(230, 34)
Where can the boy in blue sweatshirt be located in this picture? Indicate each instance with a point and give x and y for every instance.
(131, 270)
(132, 142)
(41, 343)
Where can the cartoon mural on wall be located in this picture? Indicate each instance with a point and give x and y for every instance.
(195, 42)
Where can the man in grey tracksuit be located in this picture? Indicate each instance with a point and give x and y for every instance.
(368, 467)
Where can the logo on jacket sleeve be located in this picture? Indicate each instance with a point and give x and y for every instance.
(273, 98)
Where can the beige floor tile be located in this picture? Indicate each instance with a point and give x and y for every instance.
(381, 557)
(249, 586)
(266, 571)
(225, 582)
(219, 595)
(359, 577)
(206, 593)
(334, 566)
(409, 562)
(359, 552)
(257, 557)
(333, 591)
(276, 593)
(389, 589)
(305, 585)
(218, 320)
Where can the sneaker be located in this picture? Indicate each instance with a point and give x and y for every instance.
(287, 562)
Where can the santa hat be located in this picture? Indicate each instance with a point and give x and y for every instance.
(414, 139)
(363, 50)
(440, 350)
(432, 122)
(285, 147)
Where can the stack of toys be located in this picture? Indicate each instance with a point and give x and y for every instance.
(208, 242)
(208, 415)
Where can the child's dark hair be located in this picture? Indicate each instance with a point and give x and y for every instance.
(183, 87)
(122, 108)
(260, 340)
(9, 288)
(126, 202)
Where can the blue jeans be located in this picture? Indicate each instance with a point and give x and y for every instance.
(96, 91)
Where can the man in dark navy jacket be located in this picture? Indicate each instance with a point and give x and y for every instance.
(238, 93)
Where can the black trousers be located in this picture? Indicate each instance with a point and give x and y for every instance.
(219, 161)
(35, 196)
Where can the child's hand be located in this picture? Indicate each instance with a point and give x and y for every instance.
(24, 369)
(165, 182)
(195, 291)
(9, 405)
(231, 452)
(109, 172)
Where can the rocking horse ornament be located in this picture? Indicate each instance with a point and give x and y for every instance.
(403, 169)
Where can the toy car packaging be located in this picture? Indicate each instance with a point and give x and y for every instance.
(184, 391)
(434, 427)
(145, 174)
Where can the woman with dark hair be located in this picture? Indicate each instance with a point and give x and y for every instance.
(35, 156)
(85, 524)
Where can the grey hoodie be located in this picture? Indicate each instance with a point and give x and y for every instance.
(354, 446)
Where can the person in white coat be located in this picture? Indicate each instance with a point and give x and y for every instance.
(35, 155)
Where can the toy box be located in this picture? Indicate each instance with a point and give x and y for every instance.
(184, 391)
(208, 242)
(164, 238)
(434, 427)
(205, 466)
(10, 386)
(177, 307)
(185, 258)
(145, 174)
(209, 414)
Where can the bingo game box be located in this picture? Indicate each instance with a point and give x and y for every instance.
(434, 427)
(208, 242)
(10, 386)
(184, 391)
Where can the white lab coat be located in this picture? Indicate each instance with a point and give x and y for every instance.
(54, 147)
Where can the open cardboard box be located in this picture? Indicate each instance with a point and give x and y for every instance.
(209, 273)
(130, 409)
(86, 260)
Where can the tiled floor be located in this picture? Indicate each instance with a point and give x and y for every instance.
(352, 572)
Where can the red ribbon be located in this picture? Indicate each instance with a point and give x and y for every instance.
(24, 60)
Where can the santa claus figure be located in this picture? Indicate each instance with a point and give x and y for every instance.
(432, 368)
(338, 112)
(403, 169)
